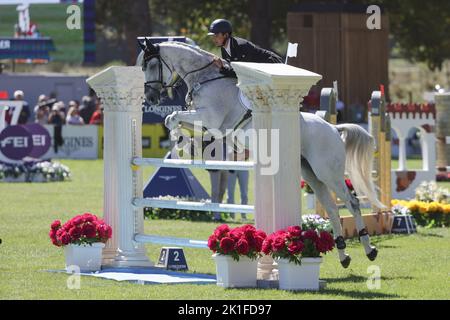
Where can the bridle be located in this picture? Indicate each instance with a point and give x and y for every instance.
(175, 80)
(148, 84)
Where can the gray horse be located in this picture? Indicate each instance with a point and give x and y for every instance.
(214, 100)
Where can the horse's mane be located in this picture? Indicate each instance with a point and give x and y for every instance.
(189, 46)
(197, 50)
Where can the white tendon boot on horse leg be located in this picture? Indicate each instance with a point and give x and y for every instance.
(324, 197)
(352, 203)
(359, 148)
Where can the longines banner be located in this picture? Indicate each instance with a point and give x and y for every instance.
(80, 142)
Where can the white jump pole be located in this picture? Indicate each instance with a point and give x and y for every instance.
(276, 91)
(121, 91)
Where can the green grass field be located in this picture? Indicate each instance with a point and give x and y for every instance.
(51, 22)
(412, 267)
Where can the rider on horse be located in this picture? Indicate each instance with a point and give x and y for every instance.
(237, 49)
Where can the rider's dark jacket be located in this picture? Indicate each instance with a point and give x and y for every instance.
(245, 51)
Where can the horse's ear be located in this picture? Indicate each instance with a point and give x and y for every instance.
(148, 44)
(150, 47)
(141, 45)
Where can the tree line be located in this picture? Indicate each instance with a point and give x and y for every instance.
(419, 28)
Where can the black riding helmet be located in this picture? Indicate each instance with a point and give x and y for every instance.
(220, 26)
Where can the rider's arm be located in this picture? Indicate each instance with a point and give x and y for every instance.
(228, 71)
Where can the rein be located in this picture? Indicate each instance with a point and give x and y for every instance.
(160, 80)
(174, 83)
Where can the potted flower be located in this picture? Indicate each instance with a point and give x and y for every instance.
(83, 237)
(298, 253)
(236, 252)
(316, 222)
(309, 195)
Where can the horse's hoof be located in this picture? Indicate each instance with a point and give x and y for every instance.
(373, 254)
(346, 262)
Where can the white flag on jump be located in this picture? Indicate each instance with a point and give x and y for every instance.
(335, 87)
(291, 50)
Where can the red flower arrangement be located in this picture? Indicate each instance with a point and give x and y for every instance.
(293, 244)
(240, 241)
(81, 229)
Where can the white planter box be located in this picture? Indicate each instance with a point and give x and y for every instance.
(310, 200)
(235, 274)
(87, 258)
(299, 277)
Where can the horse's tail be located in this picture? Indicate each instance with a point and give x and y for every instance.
(359, 148)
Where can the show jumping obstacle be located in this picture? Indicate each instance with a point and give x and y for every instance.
(275, 94)
(377, 222)
(405, 117)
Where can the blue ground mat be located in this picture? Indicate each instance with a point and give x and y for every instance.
(150, 275)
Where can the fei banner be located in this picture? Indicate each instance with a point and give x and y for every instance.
(23, 141)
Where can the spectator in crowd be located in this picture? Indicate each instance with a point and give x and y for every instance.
(62, 110)
(42, 115)
(8, 115)
(41, 110)
(73, 117)
(87, 108)
(74, 103)
(242, 177)
(25, 113)
(218, 178)
(57, 120)
(41, 100)
(97, 116)
(55, 116)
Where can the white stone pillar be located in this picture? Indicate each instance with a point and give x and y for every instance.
(401, 153)
(121, 91)
(285, 104)
(276, 91)
(263, 184)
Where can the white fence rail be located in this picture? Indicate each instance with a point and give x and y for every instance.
(192, 205)
(197, 164)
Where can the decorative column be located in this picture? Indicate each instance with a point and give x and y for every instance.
(121, 91)
(263, 184)
(275, 91)
(443, 130)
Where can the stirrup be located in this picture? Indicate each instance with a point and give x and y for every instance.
(340, 243)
